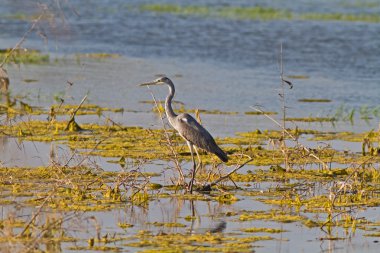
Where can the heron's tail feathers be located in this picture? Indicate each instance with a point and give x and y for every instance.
(220, 153)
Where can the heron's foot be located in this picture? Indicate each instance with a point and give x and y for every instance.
(191, 186)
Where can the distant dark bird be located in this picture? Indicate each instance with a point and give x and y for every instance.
(188, 128)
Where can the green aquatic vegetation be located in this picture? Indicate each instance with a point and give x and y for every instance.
(312, 119)
(227, 198)
(207, 242)
(345, 17)
(274, 134)
(138, 143)
(18, 107)
(347, 113)
(17, 16)
(366, 113)
(377, 234)
(96, 248)
(25, 56)
(256, 137)
(298, 76)
(372, 136)
(85, 109)
(262, 230)
(167, 224)
(30, 80)
(255, 13)
(361, 191)
(314, 100)
(28, 17)
(103, 140)
(154, 186)
(260, 113)
(224, 12)
(98, 55)
(272, 215)
(258, 12)
(87, 191)
(305, 193)
(83, 189)
(319, 175)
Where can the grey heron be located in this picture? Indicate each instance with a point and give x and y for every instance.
(188, 128)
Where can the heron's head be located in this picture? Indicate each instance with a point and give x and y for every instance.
(159, 81)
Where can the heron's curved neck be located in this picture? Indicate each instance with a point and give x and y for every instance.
(168, 103)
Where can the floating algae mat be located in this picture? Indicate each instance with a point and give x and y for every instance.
(65, 207)
(87, 209)
(118, 141)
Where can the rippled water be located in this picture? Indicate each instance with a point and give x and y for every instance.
(216, 63)
(226, 64)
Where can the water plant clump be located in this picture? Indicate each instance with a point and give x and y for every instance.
(256, 13)
(25, 56)
(306, 193)
(260, 113)
(314, 100)
(118, 141)
(83, 190)
(312, 119)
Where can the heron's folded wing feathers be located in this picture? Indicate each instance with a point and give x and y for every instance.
(194, 132)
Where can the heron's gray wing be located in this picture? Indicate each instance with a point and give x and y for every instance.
(195, 133)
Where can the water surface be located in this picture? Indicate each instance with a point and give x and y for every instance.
(228, 64)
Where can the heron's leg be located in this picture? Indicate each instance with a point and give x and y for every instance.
(194, 167)
(191, 151)
(199, 158)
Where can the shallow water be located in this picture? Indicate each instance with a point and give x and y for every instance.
(224, 64)
(216, 63)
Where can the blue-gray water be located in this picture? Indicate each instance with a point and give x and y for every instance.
(226, 64)
(216, 63)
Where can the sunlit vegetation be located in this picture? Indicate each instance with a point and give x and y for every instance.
(256, 13)
(68, 191)
(141, 182)
(312, 119)
(314, 100)
(260, 113)
(98, 55)
(26, 56)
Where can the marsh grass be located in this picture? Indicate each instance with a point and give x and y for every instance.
(70, 190)
(255, 13)
(24, 56)
(314, 100)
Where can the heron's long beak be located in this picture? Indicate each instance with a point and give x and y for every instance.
(150, 83)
